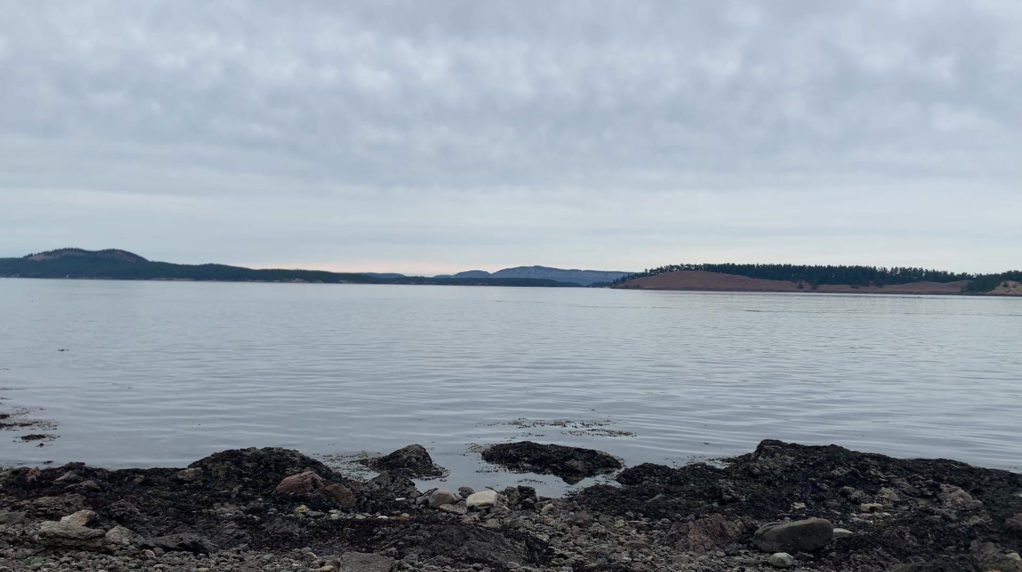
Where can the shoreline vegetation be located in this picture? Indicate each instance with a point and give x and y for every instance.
(114, 264)
(782, 505)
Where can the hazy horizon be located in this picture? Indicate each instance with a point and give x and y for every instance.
(430, 138)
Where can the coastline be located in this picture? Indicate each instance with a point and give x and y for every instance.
(276, 509)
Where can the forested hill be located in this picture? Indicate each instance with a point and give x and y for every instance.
(115, 264)
(856, 276)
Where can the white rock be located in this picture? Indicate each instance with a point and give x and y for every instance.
(781, 560)
(481, 499)
(842, 532)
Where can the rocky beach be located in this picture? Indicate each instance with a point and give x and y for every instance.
(781, 506)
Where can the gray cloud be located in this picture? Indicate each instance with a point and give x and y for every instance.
(451, 134)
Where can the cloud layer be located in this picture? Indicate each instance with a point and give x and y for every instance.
(437, 136)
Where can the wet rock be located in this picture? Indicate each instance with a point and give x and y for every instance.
(571, 464)
(481, 500)
(257, 470)
(441, 497)
(795, 536)
(184, 542)
(67, 535)
(392, 485)
(305, 482)
(781, 560)
(1014, 522)
(412, 460)
(341, 494)
(465, 492)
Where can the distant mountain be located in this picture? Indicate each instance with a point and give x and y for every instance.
(114, 264)
(573, 276)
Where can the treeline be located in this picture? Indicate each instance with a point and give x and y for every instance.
(987, 282)
(107, 266)
(816, 275)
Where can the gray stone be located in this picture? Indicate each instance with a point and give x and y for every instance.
(481, 500)
(466, 492)
(80, 518)
(189, 475)
(781, 560)
(441, 497)
(990, 556)
(842, 533)
(121, 536)
(68, 535)
(11, 517)
(957, 498)
(359, 562)
(795, 536)
(184, 542)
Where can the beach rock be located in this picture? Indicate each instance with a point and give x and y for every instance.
(67, 535)
(794, 536)
(571, 464)
(189, 475)
(305, 482)
(990, 556)
(441, 497)
(412, 460)
(122, 537)
(341, 494)
(390, 485)
(713, 532)
(957, 498)
(11, 517)
(83, 517)
(257, 469)
(481, 500)
(184, 542)
(465, 492)
(360, 562)
(781, 560)
(842, 533)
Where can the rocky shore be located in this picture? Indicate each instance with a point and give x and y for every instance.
(782, 506)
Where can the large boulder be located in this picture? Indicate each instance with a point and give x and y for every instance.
(571, 464)
(794, 536)
(412, 460)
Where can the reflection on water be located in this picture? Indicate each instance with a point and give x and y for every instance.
(164, 373)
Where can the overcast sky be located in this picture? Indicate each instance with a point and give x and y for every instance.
(428, 137)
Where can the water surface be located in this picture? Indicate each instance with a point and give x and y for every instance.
(158, 373)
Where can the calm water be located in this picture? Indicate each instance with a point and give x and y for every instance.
(164, 373)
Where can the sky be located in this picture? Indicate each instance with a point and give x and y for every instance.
(431, 137)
